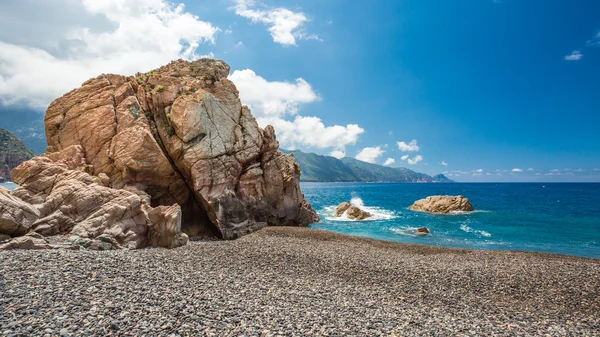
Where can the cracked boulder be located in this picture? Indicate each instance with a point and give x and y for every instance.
(178, 135)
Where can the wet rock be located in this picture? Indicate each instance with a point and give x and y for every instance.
(351, 212)
(422, 231)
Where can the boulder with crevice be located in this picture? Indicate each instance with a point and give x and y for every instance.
(351, 212)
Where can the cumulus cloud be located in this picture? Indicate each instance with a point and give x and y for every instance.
(478, 170)
(273, 98)
(415, 160)
(516, 170)
(271, 101)
(530, 169)
(404, 157)
(284, 25)
(389, 161)
(138, 35)
(574, 56)
(370, 154)
(311, 132)
(444, 163)
(410, 147)
(337, 154)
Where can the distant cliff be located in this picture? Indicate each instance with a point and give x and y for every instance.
(12, 153)
(314, 167)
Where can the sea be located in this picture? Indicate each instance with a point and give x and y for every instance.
(560, 218)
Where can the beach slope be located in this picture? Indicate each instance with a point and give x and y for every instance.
(297, 280)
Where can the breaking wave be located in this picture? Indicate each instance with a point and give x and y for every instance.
(378, 212)
(466, 228)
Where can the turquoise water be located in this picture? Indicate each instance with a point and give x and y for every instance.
(557, 218)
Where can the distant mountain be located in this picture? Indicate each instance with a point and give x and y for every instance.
(314, 167)
(26, 124)
(12, 153)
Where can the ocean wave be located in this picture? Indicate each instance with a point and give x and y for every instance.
(466, 228)
(377, 212)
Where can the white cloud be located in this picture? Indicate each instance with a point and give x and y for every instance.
(389, 161)
(478, 170)
(370, 154)
(284, 25)
(272, 98)
(574, 56)
(554, 171)
(530, 169)
(311, 132)
(579, 170)
(444, 163)
(338, 154)
(596, 169)
(141, 35)
(411, 146)
(415, 160)
(516, 170)
(271, 101)
(404, 157)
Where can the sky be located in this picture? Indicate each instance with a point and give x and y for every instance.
(480, 90)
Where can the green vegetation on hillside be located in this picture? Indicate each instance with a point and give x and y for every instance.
(11, 145)
(314, 167)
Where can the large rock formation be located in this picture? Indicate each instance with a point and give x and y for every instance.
(12, 153)
(442, 204)
(134, 156)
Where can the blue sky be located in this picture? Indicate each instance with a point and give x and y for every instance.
(486, 87)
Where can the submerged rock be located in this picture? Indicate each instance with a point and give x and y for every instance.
(145, 157)
(442, 204)
(422, 231)
(351, 212)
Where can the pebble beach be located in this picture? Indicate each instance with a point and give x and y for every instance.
(297, 281)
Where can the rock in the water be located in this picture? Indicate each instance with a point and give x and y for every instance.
(442, 204)
(137, 158)
(25, 242)
(352, 212)
(341, 208)
(422, 231)
(16, 216)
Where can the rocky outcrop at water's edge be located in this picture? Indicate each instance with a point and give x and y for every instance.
(147, 159)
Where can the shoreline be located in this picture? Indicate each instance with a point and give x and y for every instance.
(285, 280)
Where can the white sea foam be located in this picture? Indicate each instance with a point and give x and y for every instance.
(466, 228)
(409, 231)
(377, 212)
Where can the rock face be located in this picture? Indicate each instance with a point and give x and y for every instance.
(442, 204)
(136, 157)
(16, 216)
(69, 200)
(12, 153)
(352, 212)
